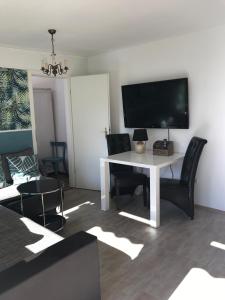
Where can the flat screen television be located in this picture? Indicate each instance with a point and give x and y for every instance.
(159, 104)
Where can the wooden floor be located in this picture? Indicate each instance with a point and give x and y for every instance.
(153, 262)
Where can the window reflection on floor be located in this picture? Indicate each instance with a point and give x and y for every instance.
(47, 238)
(133, 217)
(120, 243)
(72, 209)
(218, 245)
(199, 284)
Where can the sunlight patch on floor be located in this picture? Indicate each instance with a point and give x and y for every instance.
(122, 244)
(133, 217)
(217, 245)
(199, 284)
(46, 237)
(72, 209)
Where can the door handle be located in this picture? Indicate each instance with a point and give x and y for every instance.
(107, 131)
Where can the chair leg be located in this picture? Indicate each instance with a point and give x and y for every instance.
(117, 196)
(65, 167)
(191, 210)
(42, 168)
(56, 168)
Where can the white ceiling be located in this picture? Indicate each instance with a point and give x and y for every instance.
(87, 27)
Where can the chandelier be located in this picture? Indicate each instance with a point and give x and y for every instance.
(53, 68)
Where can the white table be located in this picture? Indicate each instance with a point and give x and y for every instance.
(147, 160)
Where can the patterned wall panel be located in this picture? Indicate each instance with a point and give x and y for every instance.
(14, 100)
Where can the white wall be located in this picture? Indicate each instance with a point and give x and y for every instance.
(42, 82)
(31, 60)
(59, 110)
(201, 57)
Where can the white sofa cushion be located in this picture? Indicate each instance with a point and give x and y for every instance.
(9, 192)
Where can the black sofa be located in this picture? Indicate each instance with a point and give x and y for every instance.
(67, 270)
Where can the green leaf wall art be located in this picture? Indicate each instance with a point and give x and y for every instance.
(14, 100)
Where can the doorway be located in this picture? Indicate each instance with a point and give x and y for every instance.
(50, 122)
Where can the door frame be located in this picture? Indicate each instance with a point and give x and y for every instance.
(69, 121)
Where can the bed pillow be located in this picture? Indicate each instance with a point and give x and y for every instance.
(23, 168)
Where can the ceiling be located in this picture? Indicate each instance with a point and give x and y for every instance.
(88, 27)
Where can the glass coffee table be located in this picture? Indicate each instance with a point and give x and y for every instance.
(42, 188)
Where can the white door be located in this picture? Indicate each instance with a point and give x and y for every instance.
(91, 118)
(44, 121)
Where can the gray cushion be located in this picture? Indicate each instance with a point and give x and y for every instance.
(5, 165)
(23, 168)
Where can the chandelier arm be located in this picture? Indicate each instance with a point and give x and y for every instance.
(59, 69)
(49, 69)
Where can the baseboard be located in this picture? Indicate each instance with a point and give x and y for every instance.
(211, 209)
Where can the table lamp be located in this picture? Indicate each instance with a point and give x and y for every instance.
(140, 136)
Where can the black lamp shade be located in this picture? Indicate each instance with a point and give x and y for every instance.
(140, 135)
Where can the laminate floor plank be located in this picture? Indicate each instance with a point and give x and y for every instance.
(152, 262)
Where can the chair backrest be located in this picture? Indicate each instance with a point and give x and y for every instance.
(58, 149)
(191, 160)
(118, 143)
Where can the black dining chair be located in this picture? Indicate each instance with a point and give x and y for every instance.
(124, 180)
(58, 157)
(181, 192)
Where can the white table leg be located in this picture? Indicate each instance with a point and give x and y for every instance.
(105, 184)
(155, 197)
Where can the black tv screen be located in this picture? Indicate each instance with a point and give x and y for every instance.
(160, 104)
